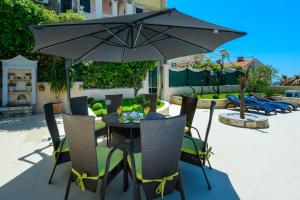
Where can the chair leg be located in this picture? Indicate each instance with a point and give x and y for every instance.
(102, 190)
(206, 179)
(53, 170)
(68, 186)
(209, 165)
(136, 192)
(179, 186)
(125, 173)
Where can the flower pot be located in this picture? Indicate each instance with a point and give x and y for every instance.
(57, 107)
(11, 88)
(28, 88)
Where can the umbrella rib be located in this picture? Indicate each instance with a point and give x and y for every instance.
(108, 42)
(180, 39)
(154, 37)
(76, 38)
(199, 28)
(157, 50)
(155, 41)
(138, 34)
(155, 14)
(115, 35)
(99, 44)
(124, 48)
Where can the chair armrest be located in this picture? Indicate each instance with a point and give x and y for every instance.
(194, 143)
(196, 131)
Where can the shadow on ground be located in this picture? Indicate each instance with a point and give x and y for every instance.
(33, 183)
(14, 124)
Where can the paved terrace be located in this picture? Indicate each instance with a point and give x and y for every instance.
(248, 164)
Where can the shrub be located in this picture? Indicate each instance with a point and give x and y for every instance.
(90, 100)
(100, 112)
(269, 92)
(97, 106)
(215, 96)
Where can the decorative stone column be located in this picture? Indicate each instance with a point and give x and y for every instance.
(165, 82)
(114, 5)
(98, 8)
(129, 8)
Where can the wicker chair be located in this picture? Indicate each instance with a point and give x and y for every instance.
(158, 162)
(61, 150)
(188, 108)
(152, 98)
(89, 163)
(79, 106)
(113, 102)
(196, 151)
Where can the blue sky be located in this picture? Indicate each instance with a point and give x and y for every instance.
(273, 28)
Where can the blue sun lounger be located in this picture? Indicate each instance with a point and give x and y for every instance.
(280, 106)
(235, 102)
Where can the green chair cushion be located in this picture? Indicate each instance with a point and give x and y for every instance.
(102, 154)
(99, 125)
(138, 164)
(64, 148)
(188, 145)
(186, 129)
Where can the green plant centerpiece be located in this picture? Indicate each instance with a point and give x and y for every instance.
(136, 114)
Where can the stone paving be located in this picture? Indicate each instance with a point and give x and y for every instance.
(256, 164)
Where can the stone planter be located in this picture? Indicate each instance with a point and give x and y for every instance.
(165, 109)
(202, 103)
(250, 121)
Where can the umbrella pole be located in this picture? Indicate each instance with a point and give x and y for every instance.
(68, 89)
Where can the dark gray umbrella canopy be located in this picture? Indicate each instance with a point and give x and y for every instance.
(159, 35)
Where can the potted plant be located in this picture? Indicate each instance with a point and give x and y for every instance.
(57, 79)
(11, 86)
(28, 87)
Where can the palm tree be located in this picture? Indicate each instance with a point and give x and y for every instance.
(290, 81)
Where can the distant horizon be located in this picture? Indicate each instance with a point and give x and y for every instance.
(272, 38)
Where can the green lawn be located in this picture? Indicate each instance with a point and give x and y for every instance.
(128, 105)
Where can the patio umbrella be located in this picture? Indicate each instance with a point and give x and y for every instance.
(158, 35)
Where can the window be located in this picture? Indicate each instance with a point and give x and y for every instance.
(139, 10)
(66, 5)
(86, 5)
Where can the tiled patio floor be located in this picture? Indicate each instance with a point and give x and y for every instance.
(248, 164)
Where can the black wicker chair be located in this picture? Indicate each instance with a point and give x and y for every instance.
(113, 102)
(156, 167)
(188, 108)
(90, 163)
(152, 99)
(79, 106)
(196, 151)
(61, 150)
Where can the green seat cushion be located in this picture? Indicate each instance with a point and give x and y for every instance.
(138, 164)
(64, 148)
(102, 154)
(188, 145)
(186, 129)
(99, 125)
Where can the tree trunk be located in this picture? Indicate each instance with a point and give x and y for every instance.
(242, 96)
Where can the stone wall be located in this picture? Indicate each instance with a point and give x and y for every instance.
(282, 89)
(47, 96)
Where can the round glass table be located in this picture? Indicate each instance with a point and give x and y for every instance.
(112, 121)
